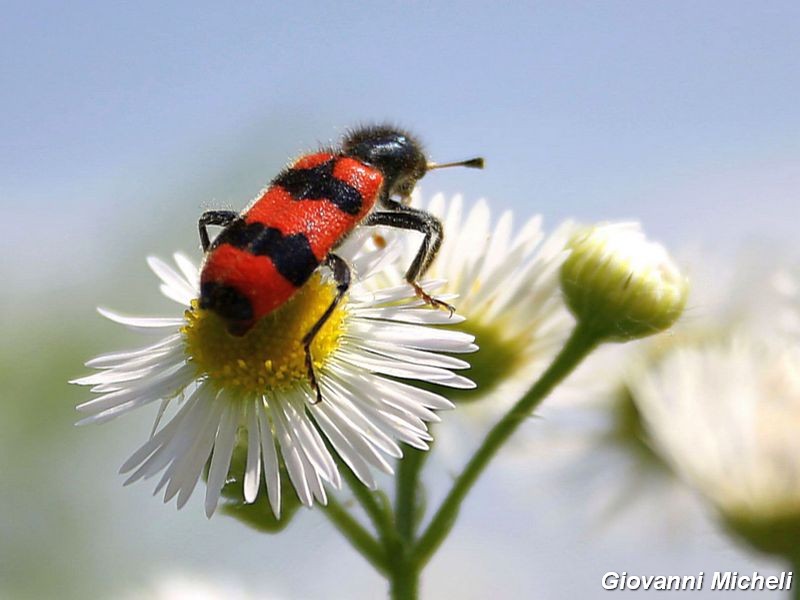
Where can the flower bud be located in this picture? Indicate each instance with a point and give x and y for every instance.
(621, 285)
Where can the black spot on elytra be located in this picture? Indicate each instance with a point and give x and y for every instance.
(291, 254)
(225, 300)
(318, 183)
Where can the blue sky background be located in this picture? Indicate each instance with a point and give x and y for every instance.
(121, 122)
(681, 114)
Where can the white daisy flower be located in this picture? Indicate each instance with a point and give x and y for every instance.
(219, 383)
(507, 287)
(726, 417)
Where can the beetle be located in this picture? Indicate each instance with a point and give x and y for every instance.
(265, 254)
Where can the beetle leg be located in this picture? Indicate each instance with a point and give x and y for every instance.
(341, 274)
(213, 217)
(405, 217)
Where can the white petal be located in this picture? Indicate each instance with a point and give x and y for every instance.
(410, 355)
(291, 456)
(221, 459)
(416, 336)
(344, 447)
(175, 286)
(142, 322)
(402, 314)
(110, 359)
(197, 455)
(366, 423)
(395, 368)
(424, 397)
(272, 477)
(160, 440)
(310, 445)
(252, 470)
(166, 383)
(188, 269)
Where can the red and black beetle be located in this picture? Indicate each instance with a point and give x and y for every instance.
(263, 255)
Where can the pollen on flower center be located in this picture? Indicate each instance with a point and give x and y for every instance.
(270, 356)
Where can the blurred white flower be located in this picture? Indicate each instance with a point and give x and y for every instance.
(727, 417)
(259, 382)
(506, 285)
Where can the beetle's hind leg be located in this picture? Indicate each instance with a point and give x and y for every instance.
(213, 217)
(341, 274)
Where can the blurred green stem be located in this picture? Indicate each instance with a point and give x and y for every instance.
(582, 341)
(404, 577)
(380, 513)
(374, 550)
(358, 537)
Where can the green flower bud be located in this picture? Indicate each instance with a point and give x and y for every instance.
(621, 285)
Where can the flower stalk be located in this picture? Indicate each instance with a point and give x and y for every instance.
(407, 493)
(355, 533)
(580, 344)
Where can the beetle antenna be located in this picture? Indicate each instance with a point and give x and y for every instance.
(472, 163)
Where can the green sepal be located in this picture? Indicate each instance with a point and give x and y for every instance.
(772, 535)
(258, 514)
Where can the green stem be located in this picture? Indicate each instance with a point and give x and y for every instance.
(378, 514)
(358, 537)
(582, 341)
(404, 572)
(404, 577)
(406, 493)
(795, 588)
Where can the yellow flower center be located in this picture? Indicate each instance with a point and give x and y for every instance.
(270, 356)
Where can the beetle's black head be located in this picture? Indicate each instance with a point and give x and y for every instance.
(394, 152)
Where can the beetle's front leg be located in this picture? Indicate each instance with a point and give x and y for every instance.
(405, 217)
